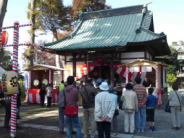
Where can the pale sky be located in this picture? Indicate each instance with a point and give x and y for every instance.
(167, 14)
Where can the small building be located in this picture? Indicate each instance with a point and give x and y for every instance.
(105, 39)
(40, 75)
(43, 74)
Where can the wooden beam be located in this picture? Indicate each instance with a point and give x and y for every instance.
(111, 70)
(74, 65)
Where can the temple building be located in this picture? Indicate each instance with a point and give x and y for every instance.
(116, 45)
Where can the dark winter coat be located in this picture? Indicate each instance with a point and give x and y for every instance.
(88, 93)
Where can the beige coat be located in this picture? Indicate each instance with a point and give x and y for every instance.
(130, 102)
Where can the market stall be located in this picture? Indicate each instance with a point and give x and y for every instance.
(40, 75)
(153, 71)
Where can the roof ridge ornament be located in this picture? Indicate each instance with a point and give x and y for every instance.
(145, 7)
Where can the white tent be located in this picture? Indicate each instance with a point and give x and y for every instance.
(2, 71)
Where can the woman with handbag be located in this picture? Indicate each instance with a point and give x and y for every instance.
(175, 103)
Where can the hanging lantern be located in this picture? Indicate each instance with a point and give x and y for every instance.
(10, 82)
(4, 38)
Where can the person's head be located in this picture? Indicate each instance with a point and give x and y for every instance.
(138, 80)
(175, 86)
(70, 80)
(43, 86)
(62, 81)
(150, 90)
(88, 80)
(129, 86)
(111, 89)
(104, 86)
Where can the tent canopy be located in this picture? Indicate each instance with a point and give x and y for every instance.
(43, 67)
(143, 62)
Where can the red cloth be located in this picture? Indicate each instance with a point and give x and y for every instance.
(34, 96)
(55, 91)
(34, 91)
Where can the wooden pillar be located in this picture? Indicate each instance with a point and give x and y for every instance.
(158, 76)
(74, 65)
(127, 72)
(164, 77)
(30, 80)
(112, 73)
(50, 76)
(62, 75)
(86, 62)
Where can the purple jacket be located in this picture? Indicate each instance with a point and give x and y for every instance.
(71, 95)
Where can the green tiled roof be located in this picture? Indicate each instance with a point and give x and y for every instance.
(109, 28)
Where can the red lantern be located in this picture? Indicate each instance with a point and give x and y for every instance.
(4, 37)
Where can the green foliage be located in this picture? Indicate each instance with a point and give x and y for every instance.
(5, 59)
(29, 52)
(171, 78)
(50, 15)
(173, 66)
(86, 5)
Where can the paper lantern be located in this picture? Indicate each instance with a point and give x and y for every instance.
(10, 82)
(4, 38)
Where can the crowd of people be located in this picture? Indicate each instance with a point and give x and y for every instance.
(101, 105)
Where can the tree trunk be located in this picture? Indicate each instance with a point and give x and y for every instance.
(3, 6)
(33, 33)
(33, 22)
(58, 62)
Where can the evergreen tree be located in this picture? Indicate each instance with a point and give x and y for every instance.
(79, 6)
(50, 15)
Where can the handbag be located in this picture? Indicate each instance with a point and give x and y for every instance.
(167, 107)
(116, 112)
(178, 100)
(70, 110)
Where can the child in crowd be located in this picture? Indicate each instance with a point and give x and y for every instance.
(150, 108)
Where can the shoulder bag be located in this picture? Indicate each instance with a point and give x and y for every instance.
(178, 99)
(167, 107)
(70, 110)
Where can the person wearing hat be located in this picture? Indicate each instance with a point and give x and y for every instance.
(104, 110)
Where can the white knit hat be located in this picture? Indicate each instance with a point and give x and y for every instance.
(104, 86)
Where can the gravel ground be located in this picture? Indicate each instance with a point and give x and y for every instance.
(31, 133)
(162, 123)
